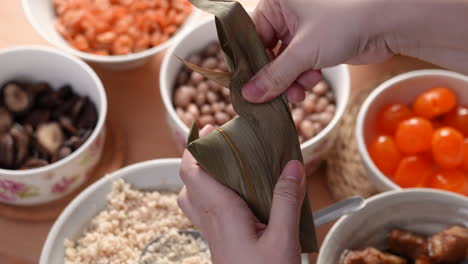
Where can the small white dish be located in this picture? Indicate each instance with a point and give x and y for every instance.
(160, 174)
(403, 88)
(51, 182)
(41, 15)
(423, 211)
(197, 38)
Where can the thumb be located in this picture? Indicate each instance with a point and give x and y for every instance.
(275, 77)
(288, 197)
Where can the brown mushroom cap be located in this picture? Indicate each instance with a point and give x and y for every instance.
(50, 137)
(62, 153)
(16, 99)
(67, 124)
(7, 149)
(32, 163)
(6, 120)
(88, 117)
(78, 107)
(22, 140)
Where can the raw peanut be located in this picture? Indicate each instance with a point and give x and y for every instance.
(221, 118)
(320, 88)
(322, 103)
(298, 116)
(196, 78)
(200, 99)
(331, 108)
(193, 110)
(182, 78)
(226, 92)
(205, 120)
(180, 112)
(209, 63)
(220, 56)
(212, 49)
(188, 119)
(330, 96)
(222, 66)
(214, 86)
(317, 127)
(218, 106)
(301, 139)
(309, 104)
(212, 97)
(206, 109)
(314, 117)
(307, 129)
(203, 87)
(183, 95)
(230, 110)
(325, 118)
(195, 59)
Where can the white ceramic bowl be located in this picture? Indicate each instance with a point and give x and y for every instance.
(195, 40)
(41, 15)
(423, 211)
(403, 88)
(160, 174)
(40, 185)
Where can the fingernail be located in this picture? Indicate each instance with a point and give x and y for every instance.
(254, 90)
(294, 171)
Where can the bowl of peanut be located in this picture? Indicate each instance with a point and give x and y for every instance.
(189, 97)
(116, 34)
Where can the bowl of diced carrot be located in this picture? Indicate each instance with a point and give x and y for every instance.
(412, 131)
(117, 34)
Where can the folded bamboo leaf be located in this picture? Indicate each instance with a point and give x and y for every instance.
(222, 78)
(249, 152)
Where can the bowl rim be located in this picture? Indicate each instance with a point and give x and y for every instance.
(168, 104)
(101, 114)
(109, 58)
(61, 220)
(359, 128)
(410, 193)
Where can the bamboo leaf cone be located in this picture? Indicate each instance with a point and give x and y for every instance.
(249, 152)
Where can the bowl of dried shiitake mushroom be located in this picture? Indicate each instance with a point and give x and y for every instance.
(52, 113)
(188, 96)
(422, 226)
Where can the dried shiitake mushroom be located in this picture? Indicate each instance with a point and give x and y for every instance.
(32, 163)
(88, 117)
(65, 92)
(5, 120)
(62, 153)
(50, 137)
(67, 124)
(40, 88)
(16, 99)
(7, 149)
(36, 117)
(40, 125)
(21, 138)
(78, 107)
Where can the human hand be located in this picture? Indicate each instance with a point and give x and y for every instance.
(233, 232)
(314, 34)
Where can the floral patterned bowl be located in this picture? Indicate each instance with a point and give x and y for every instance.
(51, 182)
(196, 39)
